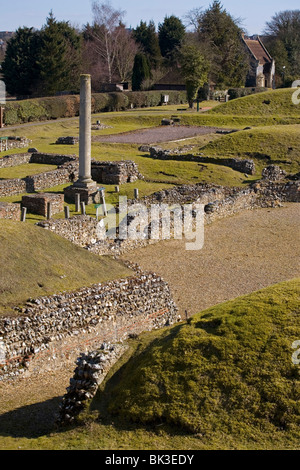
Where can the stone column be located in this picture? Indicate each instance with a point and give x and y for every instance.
(84, 188)
(85, 179)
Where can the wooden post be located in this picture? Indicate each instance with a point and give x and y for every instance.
(67, 212)
(136, 193)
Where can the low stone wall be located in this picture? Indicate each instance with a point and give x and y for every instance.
(67, 172)
(69, 140)
(12, 186)
(10, 211)
(15, 160)
(218, 202)
(14, 142)
(37, 203)
(82, 230)
(241, 165)
(119, 172)
(52, 158)
(90, 372)
(184, 194)
(50, 332)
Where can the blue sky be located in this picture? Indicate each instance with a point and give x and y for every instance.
(255, 13)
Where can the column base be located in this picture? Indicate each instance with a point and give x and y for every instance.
(88, 195)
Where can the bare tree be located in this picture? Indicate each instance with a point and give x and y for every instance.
(126, 49)
(106, 33)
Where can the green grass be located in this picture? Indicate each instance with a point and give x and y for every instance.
(272, 104)
(21, 171)
(158, 174)
(265, 145)
(54, 265)
(273, 138)
(226, 374)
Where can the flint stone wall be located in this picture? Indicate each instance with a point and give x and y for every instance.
(218, 201)
(36, 157)
(81, 230)
(69, 140)
(68, 170)
(15, 142)
(37, 203)
(120, 172)
(15, 160)
(241, 165)
(50, 332)
(10, 211)
(91, 369)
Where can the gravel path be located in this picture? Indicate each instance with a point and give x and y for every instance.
(241, 254)
(156, 135)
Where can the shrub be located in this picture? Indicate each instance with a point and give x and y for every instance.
(240, 92)
(57, 107)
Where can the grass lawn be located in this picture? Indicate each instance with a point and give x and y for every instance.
(55, 265)
(21, 171)
(267, 145)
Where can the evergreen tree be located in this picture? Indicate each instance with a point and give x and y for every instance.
(20, 69)
(219, 37)
(171, 34)
(59, 57)
(147, 38)
(141, 71)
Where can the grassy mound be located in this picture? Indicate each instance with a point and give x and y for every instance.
(36, 262)
(278, 145)
(228, 371)
(270, 103)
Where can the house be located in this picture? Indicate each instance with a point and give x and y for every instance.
(172, 80)
(110, 87)
(262, 65)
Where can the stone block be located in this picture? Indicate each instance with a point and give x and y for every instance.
(10, 211)
(87, 195)
(37, 203)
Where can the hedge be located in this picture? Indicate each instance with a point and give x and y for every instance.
(241, 92)
(43, 109)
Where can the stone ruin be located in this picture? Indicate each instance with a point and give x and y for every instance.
(11, 211)
(37, 203)
(242, 165)
(11, 142)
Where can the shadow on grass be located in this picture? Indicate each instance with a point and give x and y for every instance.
(31, 421)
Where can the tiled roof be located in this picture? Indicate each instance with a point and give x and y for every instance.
(258, 51)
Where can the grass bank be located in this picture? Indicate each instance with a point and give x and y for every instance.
(54, 265)
(228, 371)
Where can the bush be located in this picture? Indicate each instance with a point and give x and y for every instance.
(58, 107)
(240, 92)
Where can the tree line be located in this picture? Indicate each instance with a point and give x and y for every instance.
(204, 47)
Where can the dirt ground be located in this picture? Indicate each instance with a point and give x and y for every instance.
(156, 135)
(241, 254)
